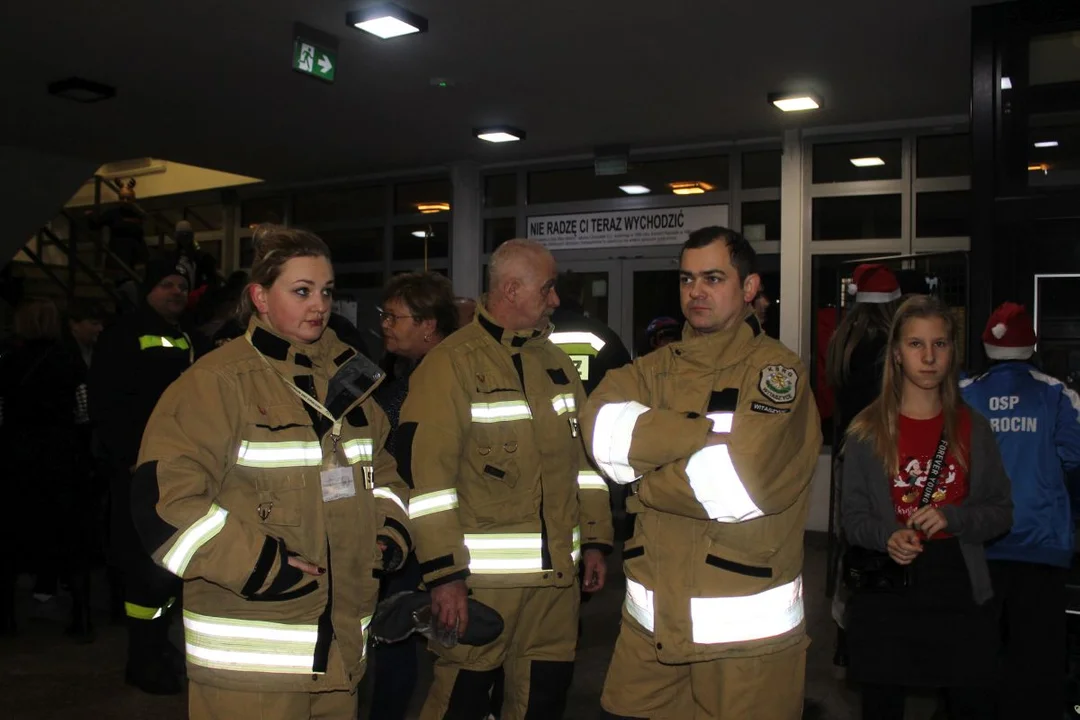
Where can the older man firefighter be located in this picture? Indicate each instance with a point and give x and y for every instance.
(504, 500)
(719, 435)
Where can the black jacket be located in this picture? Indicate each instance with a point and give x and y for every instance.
(592, 363)
(134, 361)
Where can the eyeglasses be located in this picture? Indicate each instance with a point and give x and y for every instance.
(389, 317)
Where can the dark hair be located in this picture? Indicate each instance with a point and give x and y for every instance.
(743, 256)
(79, 310)
(274, 245)
(429, 296)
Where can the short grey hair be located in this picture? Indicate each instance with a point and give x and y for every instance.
(507, 252)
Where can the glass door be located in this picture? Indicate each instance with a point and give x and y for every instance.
(595, 286)
(652, 286)
(1057, 324)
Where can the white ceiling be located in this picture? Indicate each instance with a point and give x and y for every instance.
(209, 82)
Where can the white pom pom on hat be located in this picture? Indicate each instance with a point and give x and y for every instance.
(852, 288)
(998, 330)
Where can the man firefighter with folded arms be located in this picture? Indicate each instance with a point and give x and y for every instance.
(718, 435)
(504, 501)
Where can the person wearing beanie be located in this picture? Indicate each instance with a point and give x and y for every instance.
(1036, 419)
(135, 360)
(855, 362)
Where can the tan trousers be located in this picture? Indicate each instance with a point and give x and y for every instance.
(212, 703)
(535, 652)
(768, 687)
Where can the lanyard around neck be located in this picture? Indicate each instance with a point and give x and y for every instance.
(304, 397)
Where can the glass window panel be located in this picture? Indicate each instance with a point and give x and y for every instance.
(358, 281)
(497, 231)
(1054, 58)
(832, 162)
(1057, 165)
(355, 245)
(943, 214)
(943, 156)
(761, 220)
(213, 249)
(706, 174)
(500, 190)
(761, 169)
(857, 217)
(247, 252)
(408, 197)
(262, 210)
(409, 241)
(339, 205)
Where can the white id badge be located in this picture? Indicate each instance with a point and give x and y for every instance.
(337, 483)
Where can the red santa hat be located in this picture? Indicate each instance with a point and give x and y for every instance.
(873, 283)
(1009, 333)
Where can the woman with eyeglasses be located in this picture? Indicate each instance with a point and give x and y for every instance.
(418, 312)
(924, 489)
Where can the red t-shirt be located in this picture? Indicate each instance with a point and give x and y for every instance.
(918, 443)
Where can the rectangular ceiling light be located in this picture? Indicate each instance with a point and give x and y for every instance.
(1047, 144)
(433, 207)
(1006, 83)
(634, 189)
(795, 102)
(419, 233)
(867, 162)
(499, 134)
(690, 188)
(386, 21)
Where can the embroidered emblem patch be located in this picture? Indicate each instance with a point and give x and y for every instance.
(778, 383)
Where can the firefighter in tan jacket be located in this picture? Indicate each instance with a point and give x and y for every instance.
(504, 501)
(263, 483)
(719, 436)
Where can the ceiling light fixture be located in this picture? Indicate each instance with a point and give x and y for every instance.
(1043, 167)
(386, 21)
(795, 102)
(433, 207)
(81, 90)
(499, 134)
(690, 188)
(1006, 83)
(1047, 144)
(867, 162)
(634, 189)
(419, 233)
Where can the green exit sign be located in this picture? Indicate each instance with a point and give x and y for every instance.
(311, 59)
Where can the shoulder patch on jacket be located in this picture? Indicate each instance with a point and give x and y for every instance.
(778, 383)
(759, 407)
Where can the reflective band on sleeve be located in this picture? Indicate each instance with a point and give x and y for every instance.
(717, 486)
(198, 534)
(506, 411)
(564, 403)
(152, 341)
(752, 617)
(249, 645)
(495, 553)
(141, 612)
(279, 454)
(359, 450)
(387, 494)
(365, 623)
(575, 545)
(591, 480)
(639, 604)
(612, 436)
(721, 421)
(578, 338)
(433, 502)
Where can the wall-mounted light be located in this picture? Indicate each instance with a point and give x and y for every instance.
(1040, 167)
(867, 162)
(433, 207)
(634, 189)
(795, 102)
(500, 134)
(386, 21)
(690, 188)
(419, 233)
(81, 90)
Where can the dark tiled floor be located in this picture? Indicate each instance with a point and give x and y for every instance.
(46, 676)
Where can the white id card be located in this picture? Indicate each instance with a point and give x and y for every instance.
(337, 484)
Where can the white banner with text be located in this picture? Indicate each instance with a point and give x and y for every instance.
(657, 226)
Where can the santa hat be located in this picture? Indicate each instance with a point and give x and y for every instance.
(873, 283)
(1009, 333)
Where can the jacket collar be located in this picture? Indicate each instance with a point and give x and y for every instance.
(514, 339)
(293, 357)
(719, 349)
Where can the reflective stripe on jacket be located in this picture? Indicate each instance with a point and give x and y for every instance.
(229, 486)
(503, 492)
(714, 566)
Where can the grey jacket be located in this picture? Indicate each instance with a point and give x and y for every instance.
(869, 519)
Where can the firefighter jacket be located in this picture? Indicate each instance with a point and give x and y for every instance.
(593, 347)
(231, 482)
(134, 361)
(714, 567)
(503, 492)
